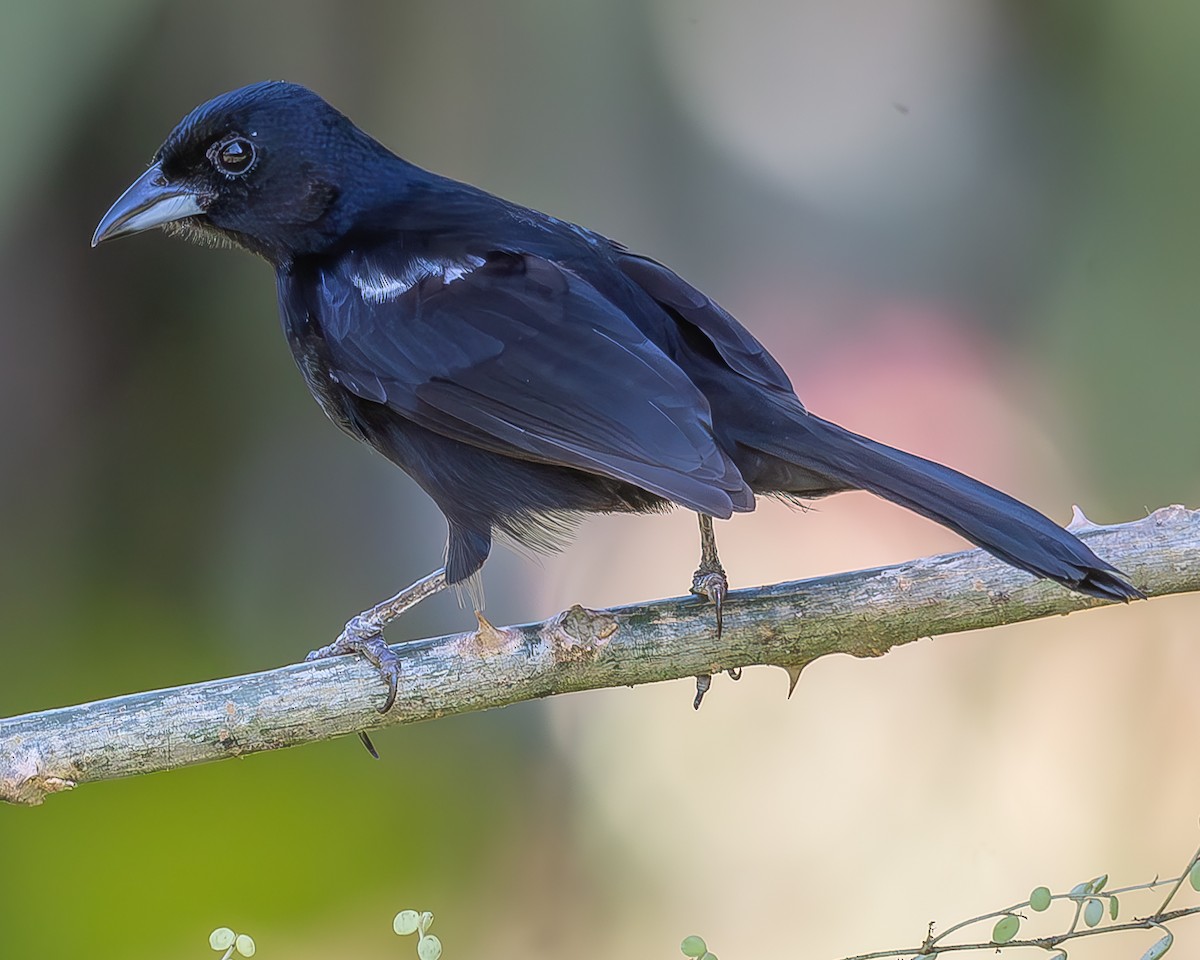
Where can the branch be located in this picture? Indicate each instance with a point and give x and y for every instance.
(788, 625)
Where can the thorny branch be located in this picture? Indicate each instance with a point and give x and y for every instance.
(788, 625)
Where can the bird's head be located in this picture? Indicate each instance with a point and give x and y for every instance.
(263, 167)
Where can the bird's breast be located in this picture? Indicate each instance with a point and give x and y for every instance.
(309, 352)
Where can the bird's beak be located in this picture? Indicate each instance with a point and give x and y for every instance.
(149, 202)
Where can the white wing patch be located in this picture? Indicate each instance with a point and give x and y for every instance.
(378, 286)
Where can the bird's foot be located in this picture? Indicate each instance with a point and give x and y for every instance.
(364, 633)
(364, 637)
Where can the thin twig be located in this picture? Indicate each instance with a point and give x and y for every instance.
(1044, 943)
(1178, 882)
(933, 945)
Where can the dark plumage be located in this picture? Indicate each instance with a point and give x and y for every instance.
(520, 368)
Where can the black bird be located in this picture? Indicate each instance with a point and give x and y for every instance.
(524, 370)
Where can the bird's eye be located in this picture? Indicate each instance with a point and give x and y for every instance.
(233, 157)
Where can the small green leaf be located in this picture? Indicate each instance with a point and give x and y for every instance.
(430, 948)
(221, 939)
(405, 922)
(1058, 955)
(1114, 907)
(244, 945)
(1098, 884)
(1006, 928)
(1194, 875)
(709, 956)
(1159, 947)
(1093, 913)
(1079, 891)
(693, 946)
(426, 920)
(1039, 900)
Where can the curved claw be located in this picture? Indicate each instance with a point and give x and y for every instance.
(704, 683)
(712, 585)
(380, 656)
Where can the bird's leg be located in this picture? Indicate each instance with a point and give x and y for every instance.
(364, 633)
(709, 581)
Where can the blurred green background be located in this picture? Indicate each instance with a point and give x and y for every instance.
(967, 229)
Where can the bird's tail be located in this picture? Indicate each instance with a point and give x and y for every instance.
(1001, 525)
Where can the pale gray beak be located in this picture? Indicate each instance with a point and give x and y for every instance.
(149, 202)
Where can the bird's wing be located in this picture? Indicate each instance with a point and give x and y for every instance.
(517, 354)
(737, 346)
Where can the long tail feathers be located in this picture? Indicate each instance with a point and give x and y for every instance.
(1001, 525)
